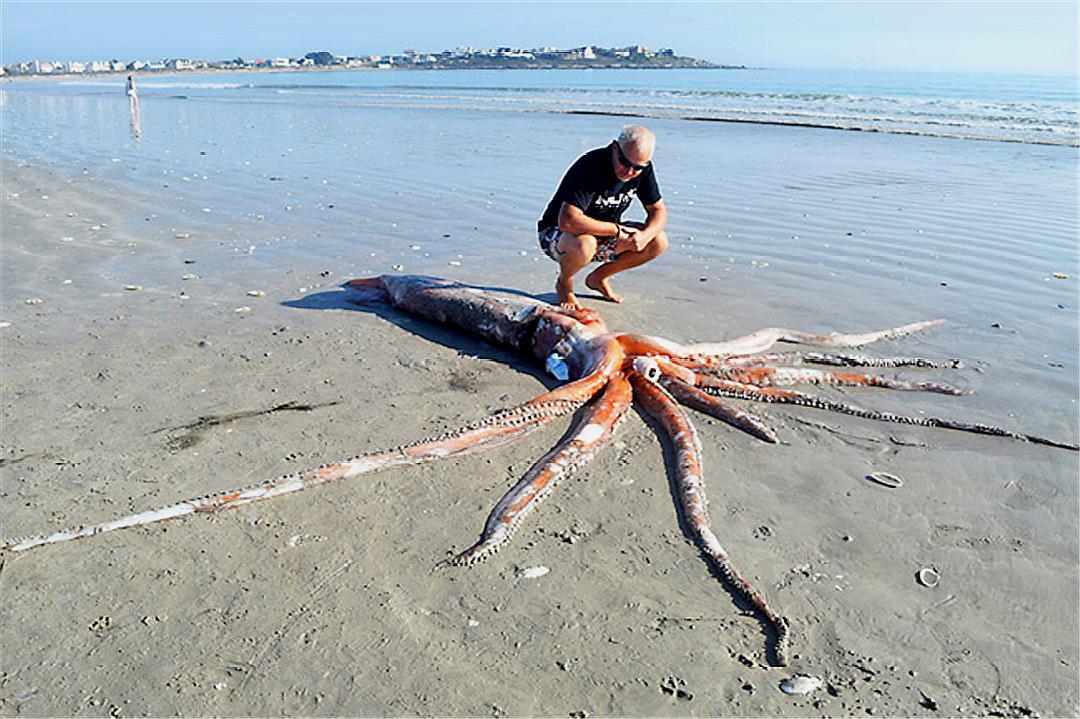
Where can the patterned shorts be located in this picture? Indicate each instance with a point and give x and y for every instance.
(549, 238)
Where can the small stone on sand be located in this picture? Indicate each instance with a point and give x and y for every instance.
(534, 572)
(800, 684)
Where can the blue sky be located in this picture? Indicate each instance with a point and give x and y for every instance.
(1023, 37)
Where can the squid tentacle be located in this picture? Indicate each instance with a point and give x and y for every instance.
(727, 388)
(781, 376)
(739, 418)
(691, 489)
(786, 359)
(765, 338)
(596, 425)
(496, 430)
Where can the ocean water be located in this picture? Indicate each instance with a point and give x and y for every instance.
(362, 173)
(1030, 109)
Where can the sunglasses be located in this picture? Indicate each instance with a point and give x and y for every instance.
(625, 162)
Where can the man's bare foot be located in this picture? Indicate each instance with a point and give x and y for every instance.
(564, 293)
(603, 287)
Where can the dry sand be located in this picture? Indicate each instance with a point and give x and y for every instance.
(328, 602)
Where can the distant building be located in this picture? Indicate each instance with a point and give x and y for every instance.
(460, 56)
(44, 67)
(320, 58)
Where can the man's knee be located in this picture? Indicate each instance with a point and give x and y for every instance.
(658, 244)
(577, 246)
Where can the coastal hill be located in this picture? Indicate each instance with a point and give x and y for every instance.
(463, 57)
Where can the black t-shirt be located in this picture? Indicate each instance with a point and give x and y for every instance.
(591, 185)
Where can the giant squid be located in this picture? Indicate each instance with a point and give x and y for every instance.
(605, 374)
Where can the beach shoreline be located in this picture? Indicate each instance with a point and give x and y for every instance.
(118, 400)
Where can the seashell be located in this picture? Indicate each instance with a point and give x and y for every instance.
(800, 684)
(182, 235)
(33, 300)
(242, 310)
(886, 480)
(132, 288)
(927, 577)
(256, 293)
(534, 572)
(189, 277)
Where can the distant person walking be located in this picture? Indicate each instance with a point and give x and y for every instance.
(582, 223)
(133, 106)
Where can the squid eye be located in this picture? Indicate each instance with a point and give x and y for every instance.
(648, 368)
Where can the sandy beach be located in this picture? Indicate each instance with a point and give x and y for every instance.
(174, 326)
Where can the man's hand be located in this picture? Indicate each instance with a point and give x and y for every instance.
(632, 240)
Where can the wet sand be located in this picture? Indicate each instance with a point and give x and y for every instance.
(328, 603)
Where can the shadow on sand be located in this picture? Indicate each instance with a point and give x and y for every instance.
(468, 346)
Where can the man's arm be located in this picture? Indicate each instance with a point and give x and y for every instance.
(656, 220)
(573, 220)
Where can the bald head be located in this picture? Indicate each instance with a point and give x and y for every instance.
(637, 139)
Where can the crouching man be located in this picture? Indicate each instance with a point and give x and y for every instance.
(582, 222)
